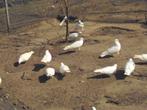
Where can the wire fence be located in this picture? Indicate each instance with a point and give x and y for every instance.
(24, 12)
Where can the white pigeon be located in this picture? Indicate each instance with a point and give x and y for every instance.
(64, 68)
(50, 72)
(109, 70)
(25, 57)
(73, 36)
(114, 49)
(80, 25)
(93, 108)
(76, 44)
(47, 57)
(130, 67)
(62, 22)
(142, 57)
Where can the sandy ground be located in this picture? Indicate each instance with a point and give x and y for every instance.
(78, 88)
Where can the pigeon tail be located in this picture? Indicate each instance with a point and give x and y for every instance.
(137, 56)
(62, 22)
(105, 53)
(20, 61)
(68, 71)
(93, 108)
(127, 74)
(97, 70)
(66, 48)
(44, 60)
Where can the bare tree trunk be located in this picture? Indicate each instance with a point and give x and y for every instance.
(7, 15)
(67, 21)
(145, 16)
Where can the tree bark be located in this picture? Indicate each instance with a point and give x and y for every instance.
(7, 15)
(67, 21)
(145, 16)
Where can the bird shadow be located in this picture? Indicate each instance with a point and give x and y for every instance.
(16, 64)
(43, 78)
(108, 56)
(101, 76)
(59, 76)
(141, 63)
(67, 52)
(38, 67)
(59, 42)
(140, 75)
(119, 75)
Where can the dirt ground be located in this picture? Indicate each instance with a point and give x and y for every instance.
(78, 88)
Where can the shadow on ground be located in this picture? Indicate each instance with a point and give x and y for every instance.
(59, 76)
(16, 64)
(141, 63)
(43, 78)
(101, 76)
(38, 67)
(119, 75)
(108, 56)
(67, 52)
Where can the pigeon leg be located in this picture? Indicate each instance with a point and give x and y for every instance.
(82, 29)
(53, 77)
(118, 53)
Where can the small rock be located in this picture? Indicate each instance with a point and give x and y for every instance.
(81, 81)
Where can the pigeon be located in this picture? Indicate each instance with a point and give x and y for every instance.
(47, 57)
(114, 49)
(62, 22)
(64, 68)
(109, 70)
(73, 35)
(142, 57)
(76, 44)
(93, 108)
(50, 72)
(80, 25)
(130, 67)
(25, 57)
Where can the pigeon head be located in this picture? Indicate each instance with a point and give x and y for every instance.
(115, 65)
(116, 40)
(117, 43)
(131, 60)
(80, 21)
(32, 52)
(62, 63)
(65, 17)
(47, 51)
